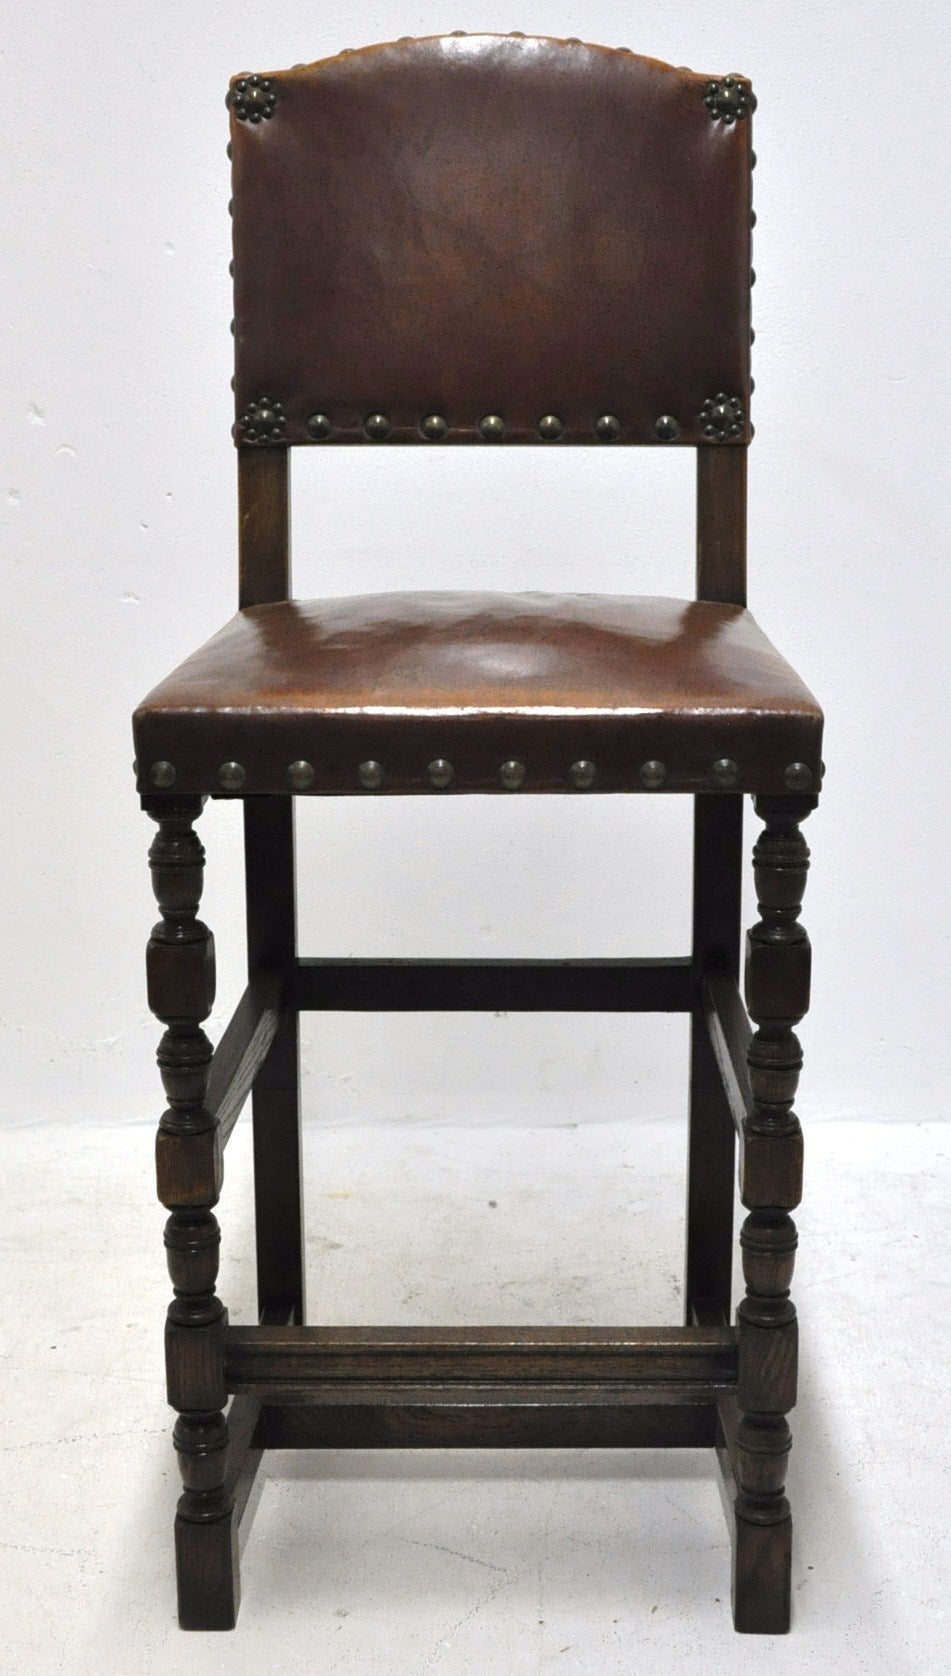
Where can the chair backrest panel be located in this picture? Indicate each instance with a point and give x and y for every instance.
(461, 227)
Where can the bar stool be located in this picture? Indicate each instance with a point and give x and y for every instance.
(490, 241)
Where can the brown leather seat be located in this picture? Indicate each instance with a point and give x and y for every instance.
(478, 680)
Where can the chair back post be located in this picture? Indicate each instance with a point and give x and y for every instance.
(715, 941)
(721, 524)
(264, 550)
(718, 817)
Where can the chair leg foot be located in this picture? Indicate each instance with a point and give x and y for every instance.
(206, 1564)
(762, 1577)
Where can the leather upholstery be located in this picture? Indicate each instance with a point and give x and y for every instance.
(484, 224)
(480, 679)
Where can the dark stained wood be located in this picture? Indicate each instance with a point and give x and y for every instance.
(264, 567)
(762, 1564)
(449, 986)
(327, 1363)
(777, 995)
(188, 1158)
(725, 1448)
(477, 1394)
(245, 1450)
(717, 870)
(721, 524)
(730, 1031)
(710, 1184)
(207, 1572)
(495, 1426)
(771, 1166)
(272, 948)
(761, 1588)
(717, 878)
(242, 1050)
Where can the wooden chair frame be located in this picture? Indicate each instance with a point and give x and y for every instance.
(708, 1383)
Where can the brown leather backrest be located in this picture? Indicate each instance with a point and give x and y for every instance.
(466, 227)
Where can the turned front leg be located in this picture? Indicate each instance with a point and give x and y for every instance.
(777, 996)
(181, 988)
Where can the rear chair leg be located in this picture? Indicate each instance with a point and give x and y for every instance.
(275, 1099)
(711, 1188)
(777, 996)
(181, 990)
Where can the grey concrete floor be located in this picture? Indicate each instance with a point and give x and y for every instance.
(493, 1563)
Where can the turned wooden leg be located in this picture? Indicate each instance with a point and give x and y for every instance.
(777, 996)
(181, 987)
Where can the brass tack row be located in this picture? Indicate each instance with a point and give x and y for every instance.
(583, 774)
(435, 427)
(720, 418)
(263, 422)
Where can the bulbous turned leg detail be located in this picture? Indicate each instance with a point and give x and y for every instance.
(181, 988)
(777, 996)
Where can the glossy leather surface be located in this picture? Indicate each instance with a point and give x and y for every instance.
(483, 224)
(480, 679)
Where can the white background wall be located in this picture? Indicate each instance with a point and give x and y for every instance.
(119, 556)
